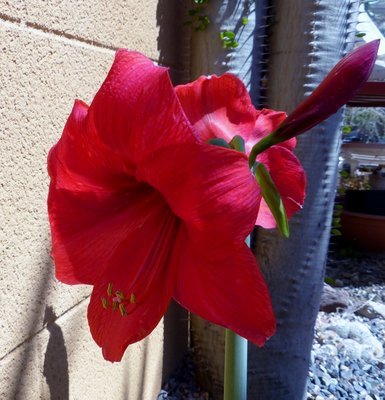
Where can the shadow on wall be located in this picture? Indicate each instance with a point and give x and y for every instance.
(55, 360)
(32, 327)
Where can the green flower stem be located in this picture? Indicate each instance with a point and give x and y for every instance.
(235, 387)
(259, 147)
(235, 367)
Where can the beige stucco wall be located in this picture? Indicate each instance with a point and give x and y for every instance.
(52, 52)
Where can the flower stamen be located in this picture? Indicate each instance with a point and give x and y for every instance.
(122, 310)
(104, 303)
(109, 289)
(117, 300)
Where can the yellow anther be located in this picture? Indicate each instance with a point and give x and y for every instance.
(114, 305)
(119, 294)
(104, 302)
(109, 289)
(132, 298)
(122, 310)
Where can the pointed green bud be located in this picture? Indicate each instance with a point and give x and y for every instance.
(272, 197)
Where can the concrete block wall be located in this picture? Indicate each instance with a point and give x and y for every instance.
(51, 53)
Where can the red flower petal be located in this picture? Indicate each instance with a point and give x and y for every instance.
(136, 110)
(218, 107)
(229, 291)
(88, 228)
(210, 188)
(290, 180)
(142, 272)
(80, 162)
(93, 202)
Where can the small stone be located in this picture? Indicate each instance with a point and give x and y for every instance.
(376, 346)
(372, 310)
(367, 368)
(328, 350)
(162, 395)
(350, 348)
(342, 328)
(359, 331)
(333, 299)
(316, 390)
(343, 394)
(367, 354)
(345, 372)
(339, 283)
(326, 379)
(328, 336)
(332, 387)
(358, 388)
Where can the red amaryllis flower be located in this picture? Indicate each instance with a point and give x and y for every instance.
(220, 107)
(144, 211)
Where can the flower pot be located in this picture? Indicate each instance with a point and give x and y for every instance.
(364, 231)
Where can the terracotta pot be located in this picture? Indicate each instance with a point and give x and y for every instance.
(364, 231)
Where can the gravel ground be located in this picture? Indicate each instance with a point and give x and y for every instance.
(348, 349)
(347, 360)
(182, 384)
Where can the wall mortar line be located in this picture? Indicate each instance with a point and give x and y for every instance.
(18, 24)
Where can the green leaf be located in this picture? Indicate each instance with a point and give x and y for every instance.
(336, 232)
(232, 44)
(344, 174)
(360, 34)
(227, 35)
(272, 197)
(219, 142)
(329, 281)
(346, 129)
(337, 222)
(245, 21)
(203, 23)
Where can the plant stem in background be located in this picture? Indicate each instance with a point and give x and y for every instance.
(235, 367)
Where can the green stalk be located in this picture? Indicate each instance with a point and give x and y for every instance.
(235, 387)
(259, 147)
(235, 367)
